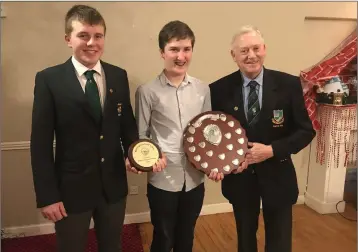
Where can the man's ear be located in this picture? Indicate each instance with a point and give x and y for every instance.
(233, 55)
(161, 53)
(68, 40)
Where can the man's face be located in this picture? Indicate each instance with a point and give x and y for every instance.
(87, 42)
(177, 56)
(249, 53)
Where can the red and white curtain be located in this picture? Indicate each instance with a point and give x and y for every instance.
(340, 62)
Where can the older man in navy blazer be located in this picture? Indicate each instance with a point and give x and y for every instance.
(270, 107)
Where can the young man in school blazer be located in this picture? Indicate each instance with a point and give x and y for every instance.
(84, 104)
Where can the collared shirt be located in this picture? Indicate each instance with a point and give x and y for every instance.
(246, 88)
(162, 113)
(98, 77)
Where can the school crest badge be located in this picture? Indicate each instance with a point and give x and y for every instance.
(278, 118)
(119, 109)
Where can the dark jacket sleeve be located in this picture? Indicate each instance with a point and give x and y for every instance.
(41, 144)
(213, 96)
(303, 132)
(129, 125)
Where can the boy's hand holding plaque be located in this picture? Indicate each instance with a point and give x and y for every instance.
(145, 156)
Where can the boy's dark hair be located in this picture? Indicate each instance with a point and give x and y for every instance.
(84, 14)
(175, 29)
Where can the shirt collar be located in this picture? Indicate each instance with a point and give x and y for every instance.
(81, 69)
(164, 80)
(258, 79)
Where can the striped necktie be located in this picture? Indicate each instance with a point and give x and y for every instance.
(253, 105)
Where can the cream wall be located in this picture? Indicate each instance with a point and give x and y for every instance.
(32, 38)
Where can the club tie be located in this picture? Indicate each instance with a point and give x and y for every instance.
(253, 105)
(92, 94)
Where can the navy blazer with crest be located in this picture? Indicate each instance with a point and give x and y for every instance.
(89, 157)
(283, 123)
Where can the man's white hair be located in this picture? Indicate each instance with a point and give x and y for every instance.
(244, 30)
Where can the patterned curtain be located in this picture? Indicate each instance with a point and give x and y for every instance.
(342, 62)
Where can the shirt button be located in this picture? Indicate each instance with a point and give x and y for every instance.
(102, 160)
(101, 137)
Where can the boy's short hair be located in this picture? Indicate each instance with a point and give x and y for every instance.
(84, 14)
(175, 29)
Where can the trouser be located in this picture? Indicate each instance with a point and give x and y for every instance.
(277, 220)
(174, 215)
(72, 231)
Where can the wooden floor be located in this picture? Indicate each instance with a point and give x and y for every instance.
(312, 232)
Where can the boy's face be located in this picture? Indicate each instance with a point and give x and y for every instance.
(177, 56)
(87, 42)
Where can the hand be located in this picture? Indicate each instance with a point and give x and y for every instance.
(258, 153)
(243, 165)
(130, 168)
(161, 163)
(216, 176)
(54, 212)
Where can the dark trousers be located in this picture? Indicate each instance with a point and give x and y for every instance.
(72, 231)
(174, 215)
(278, 222)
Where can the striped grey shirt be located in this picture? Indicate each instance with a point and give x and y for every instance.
(162, 113)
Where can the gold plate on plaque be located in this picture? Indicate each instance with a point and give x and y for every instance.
(143, 154)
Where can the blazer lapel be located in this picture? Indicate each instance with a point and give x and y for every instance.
(268, 95)
(110, 80)
(74, 87)
(238, 108)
